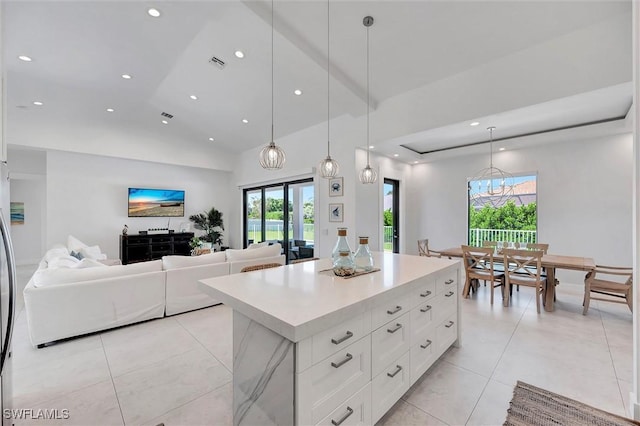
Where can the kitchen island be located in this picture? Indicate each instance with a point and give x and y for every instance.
(312, 348)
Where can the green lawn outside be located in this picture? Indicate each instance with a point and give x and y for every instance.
(272, 235)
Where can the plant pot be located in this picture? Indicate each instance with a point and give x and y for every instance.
(206, 245)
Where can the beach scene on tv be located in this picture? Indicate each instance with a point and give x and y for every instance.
(155, 202)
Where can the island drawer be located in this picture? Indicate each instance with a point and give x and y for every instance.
(447, 281)
(326, 385)
(355, 411)
(422, 320)
(390, 310)
(446, 303)
(423, 354)
(389, 386)
(424, 290)
(389, 342)
(336, 338)
(447, 332)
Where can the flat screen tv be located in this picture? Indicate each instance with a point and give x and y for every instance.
(145, 202)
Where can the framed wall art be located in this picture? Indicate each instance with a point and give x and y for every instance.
(335, 187)
(336, 213)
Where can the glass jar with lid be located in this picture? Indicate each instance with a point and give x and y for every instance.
(363, 257)
(342, 245)
(343, 265)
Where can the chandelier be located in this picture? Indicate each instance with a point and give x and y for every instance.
(368, 175)
(272, 157)
(494, 185)
(328, 167)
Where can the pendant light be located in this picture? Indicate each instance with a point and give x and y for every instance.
(328, 167)
(499, 184)
(368, 175)
(272, 157)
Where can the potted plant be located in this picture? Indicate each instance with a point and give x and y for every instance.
(211, 223)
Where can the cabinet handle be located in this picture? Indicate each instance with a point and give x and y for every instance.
(426, 308)
(398, 369)
(348, 358)
(395, 311)
(425, 294)
(449, 324)
(342, 339)
(426, 345)
(449, 281)
(449, 294)
(343, 418)
(393, 330)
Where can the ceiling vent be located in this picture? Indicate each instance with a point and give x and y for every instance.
(166, 114)
(217, 62)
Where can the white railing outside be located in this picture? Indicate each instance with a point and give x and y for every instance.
(477, 236)
(274, 230)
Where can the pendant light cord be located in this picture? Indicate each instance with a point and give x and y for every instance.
(328, 78)
(491, 147)
(272, 133)
(367, 96)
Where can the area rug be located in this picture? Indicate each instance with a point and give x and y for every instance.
(535, 406)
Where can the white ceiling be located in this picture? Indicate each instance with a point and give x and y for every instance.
(80, 49)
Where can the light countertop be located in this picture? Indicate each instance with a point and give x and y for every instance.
(297, 301)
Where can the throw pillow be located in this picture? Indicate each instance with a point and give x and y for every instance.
(258, 245)
(93, 252)
(63, 262)
(54, 253)
(89, 263)
(74, 244)
(77, 255)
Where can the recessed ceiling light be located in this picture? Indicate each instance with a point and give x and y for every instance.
(24, 58)
(154, 12)
(396, 155)
(239, 54)
(475, 123)
(245, 121)
(211, 139)
(165, 122)
(38, 103)
(110, 110)
(502, 148)
(297, 92)
(371, 146)
(194, 97)
(416, 162)
(126, 76)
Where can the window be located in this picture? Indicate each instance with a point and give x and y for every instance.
(267, 219)
(515, 220)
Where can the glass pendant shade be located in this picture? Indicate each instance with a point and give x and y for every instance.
(328, 167)
(368, 175)
(272, 157)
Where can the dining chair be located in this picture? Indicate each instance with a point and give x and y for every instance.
(478, 265)
(524, 267)
(259, 267)
(423, 249)
(613, 281)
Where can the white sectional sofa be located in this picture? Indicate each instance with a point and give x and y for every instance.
(65, 298)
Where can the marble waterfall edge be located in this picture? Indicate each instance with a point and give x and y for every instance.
(263, 375)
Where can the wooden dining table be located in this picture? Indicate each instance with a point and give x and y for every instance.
(550, 262)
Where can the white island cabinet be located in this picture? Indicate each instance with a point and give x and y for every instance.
(310, 348)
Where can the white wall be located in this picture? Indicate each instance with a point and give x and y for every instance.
(87, 196)
(28, 239)
(584, 198)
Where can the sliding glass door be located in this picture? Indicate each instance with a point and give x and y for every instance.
(281, 213)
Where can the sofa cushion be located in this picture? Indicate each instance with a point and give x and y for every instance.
(63, 262)
(55, 252)
(175, 262)
(48, 277)
(256, 253)
(258, 245)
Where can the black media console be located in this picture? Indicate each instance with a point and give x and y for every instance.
(140, 248)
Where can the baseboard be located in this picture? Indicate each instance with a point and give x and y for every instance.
(634, 407)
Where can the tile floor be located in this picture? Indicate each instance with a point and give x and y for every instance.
(177, 370)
